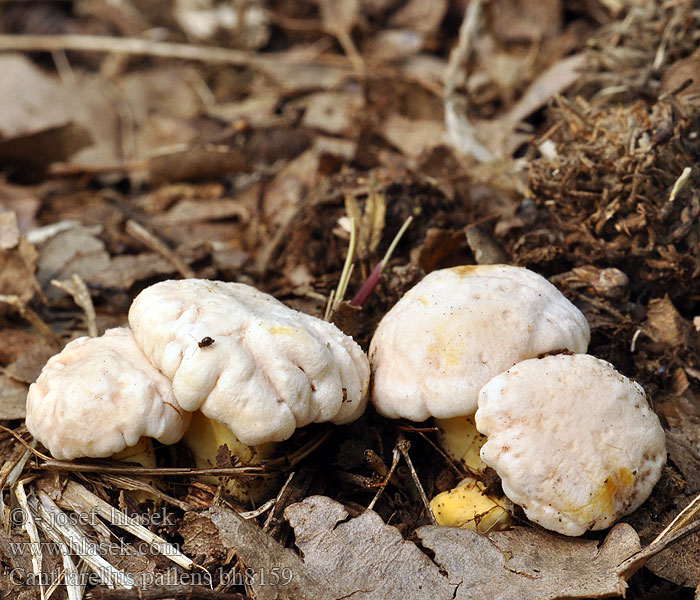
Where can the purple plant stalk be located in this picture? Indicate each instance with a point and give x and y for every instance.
(368, 286)
(375, 276)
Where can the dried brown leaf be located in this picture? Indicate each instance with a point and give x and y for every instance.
(17, 261)
(681, 79)
(520, 20)
(125, 270)
(530, 563)
(369, 559)
(363, 556)
(28, 156)
(13, 398)
(666, 323)
(332, 112)
(196, 163)
(72, 250)
(420, 16)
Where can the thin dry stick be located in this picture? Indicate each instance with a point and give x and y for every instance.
(33, 534)
(268, 519)
(76, 495)
(336, 298)
(265, 469)
(65, 465)
(134, 484)
(151, 241)
(461, 133)
(681, 519)
(254, 514)
(141, 47)
(32, 318)
(403, 445)
(77, 288)
(52, 517)
(13, 467)
(394, 461)
(627, 567)
(115, 45)
(25, 443)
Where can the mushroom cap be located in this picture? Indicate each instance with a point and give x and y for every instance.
(459, 327)
(267, 370)
(574, 441)
(99, 396)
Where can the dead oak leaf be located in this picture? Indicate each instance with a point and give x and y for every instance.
(364, 558)
(529, 563)
(371, 560)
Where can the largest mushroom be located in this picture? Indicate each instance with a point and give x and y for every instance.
(255, 369)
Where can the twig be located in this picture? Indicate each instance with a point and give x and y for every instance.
(33, 534)
(128, 483)
(32, 318)
(629, 566)
(681, 519)
(25, 443)
(403, 445)
(441, 452)
(80, 497)
(136, 46)
(265, 468)
(77, 288)
(12, 468)
(254, 514)
(394, 461)
(268, 519)
(460, 131)
(151, 241)
(65, 465)
(680, 183)
(56, 524)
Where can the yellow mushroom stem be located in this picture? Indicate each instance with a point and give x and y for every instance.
(467, 506)
(204, 438)
(142, 453)
(462, 442)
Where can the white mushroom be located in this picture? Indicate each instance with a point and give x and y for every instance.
(101, 396)
(458, 328)
(447, 336)
(247, 361)
(574, 441)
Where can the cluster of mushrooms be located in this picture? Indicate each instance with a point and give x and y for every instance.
(496, 354)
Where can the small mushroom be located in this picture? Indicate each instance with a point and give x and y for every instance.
(101, 397)
(253, 366)
(574, 441)
(448, 336)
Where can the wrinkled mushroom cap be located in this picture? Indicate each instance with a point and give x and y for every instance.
(574, 441)
(99, 396)
(269, 369)
(458, 328)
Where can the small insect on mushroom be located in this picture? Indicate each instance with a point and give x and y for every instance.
(205, 341)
